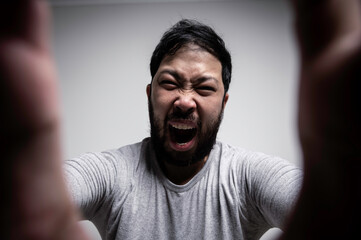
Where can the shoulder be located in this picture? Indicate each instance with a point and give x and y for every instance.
(125, 155)
(127, 158)
(111, 162)
(253, 164)
(262, 178)
(241, 156)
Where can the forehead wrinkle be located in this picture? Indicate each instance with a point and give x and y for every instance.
(193, 73)
(196, 80)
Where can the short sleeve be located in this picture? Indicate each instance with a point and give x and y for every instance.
(91, 179)
(274, 185)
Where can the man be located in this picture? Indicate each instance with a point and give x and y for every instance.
(195, 197)
(180, 183)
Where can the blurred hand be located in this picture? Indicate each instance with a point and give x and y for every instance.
(35, 201)
(329, 36)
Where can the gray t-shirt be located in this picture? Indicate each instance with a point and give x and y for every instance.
(238, 194)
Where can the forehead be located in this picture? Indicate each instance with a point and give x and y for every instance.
(192, 61)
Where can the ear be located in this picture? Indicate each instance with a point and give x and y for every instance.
(225, 100)
(149, 89)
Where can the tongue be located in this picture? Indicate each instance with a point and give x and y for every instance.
(182, 135)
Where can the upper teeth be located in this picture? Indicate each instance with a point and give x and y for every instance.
(182, 126)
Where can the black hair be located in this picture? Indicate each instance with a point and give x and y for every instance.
(191, 31)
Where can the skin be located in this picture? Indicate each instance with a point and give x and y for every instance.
(35, 203)
(34, 198)
(189, 81)
(329, 37)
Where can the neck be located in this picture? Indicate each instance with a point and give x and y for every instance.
(181, 175)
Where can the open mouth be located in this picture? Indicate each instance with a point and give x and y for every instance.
(182, 133)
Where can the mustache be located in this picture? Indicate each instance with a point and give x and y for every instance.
(182, 115)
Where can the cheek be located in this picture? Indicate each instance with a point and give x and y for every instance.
(162, 103)
(210, 109)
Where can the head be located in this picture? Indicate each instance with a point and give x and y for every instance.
(190, 31)
(191, 72)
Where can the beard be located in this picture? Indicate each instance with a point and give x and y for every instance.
(206, 138)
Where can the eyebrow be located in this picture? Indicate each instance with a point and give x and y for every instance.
(172, 73)
(206, 78)
(180, 79)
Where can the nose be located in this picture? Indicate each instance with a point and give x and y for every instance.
(185, 103)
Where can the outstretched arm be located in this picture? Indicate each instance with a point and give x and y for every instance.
(329, 35)
(35, 204)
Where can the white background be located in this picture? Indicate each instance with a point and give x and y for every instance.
(103, 50)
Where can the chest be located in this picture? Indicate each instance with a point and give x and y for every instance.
(207, 210)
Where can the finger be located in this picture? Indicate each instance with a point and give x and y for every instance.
(325, 24)
(26, 21)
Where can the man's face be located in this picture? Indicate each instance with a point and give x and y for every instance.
(186, 101)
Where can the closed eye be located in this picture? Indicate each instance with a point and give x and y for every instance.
(169, 85)
(205, 90)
